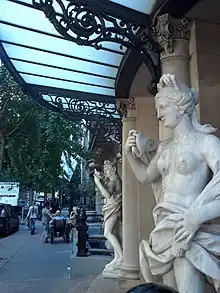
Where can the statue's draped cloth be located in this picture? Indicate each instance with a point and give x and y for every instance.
(204, 250)
(113, 206)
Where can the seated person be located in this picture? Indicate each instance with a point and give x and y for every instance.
(151, 288)
(61, 227)
(57, 217)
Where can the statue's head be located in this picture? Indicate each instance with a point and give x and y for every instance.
(151, 288)
(109, 168)
(175, 101)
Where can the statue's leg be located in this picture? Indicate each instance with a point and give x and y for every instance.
(170, 280)
(188, 278)
(144, 265)
(216, 285)
(108, 233)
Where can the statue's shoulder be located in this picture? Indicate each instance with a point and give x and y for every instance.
(211, 140)
(163, 144)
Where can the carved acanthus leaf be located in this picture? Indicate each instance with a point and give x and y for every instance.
(123, 105)
(168, 29)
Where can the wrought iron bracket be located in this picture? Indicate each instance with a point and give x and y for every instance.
(106, 132)
(88, 23)
(102, 119)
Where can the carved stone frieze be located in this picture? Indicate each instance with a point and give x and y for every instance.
(168, 29)
(123, 105)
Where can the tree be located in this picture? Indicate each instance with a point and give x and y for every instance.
(35, 139)
(12, 115)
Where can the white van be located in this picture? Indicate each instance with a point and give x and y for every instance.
(9, 193)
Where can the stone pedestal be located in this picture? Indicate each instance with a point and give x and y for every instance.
(111, 272)
(101, 284)
(130, 271)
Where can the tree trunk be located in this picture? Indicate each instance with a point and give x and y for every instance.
(2, 148)
(31, 195)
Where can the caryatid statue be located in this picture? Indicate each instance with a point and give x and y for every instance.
(110, 187)
(184, 246)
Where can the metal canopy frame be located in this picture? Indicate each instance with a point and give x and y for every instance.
(86, 22)
(74, 105)
(89, 23)
(126, 27)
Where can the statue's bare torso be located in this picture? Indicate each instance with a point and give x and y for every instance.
(182, 162)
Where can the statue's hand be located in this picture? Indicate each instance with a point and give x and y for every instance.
(191, 221)
(97, 176)
(167, 80)
(131, 141)
(186, 228)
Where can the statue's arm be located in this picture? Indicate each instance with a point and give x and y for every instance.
(211, 153)
(102, 189)
(118, 186)
(208, 212)
(144, 173)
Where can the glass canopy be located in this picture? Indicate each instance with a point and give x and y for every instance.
(42, 57)
(144, 6)
(52, 64)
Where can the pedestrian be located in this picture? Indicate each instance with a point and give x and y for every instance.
(72, 221)
(40, 209)
(32, 216)
(54, 205)
(73, 216)
(46, 218)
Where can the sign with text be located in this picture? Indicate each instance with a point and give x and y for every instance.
(9, 193)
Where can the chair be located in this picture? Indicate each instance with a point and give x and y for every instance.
(59, 229)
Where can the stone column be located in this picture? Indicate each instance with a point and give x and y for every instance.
(130, 272)
(173, 37)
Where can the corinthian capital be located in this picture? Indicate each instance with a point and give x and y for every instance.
(167, 29)
(123, 105)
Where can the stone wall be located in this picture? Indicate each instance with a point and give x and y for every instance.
(205, 70)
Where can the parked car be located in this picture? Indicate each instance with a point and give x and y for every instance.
(9, 219)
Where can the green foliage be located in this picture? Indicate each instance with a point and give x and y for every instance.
(34, 139)
(76, 178)
(87, 187)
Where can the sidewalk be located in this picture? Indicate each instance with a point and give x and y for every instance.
(27, 265)
(85, 270)
(8, 247)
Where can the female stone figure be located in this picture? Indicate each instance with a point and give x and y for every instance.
(184, 247)
(110, 188)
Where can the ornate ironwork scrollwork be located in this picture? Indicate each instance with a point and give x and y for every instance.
(86, 24)
(83, 109)
(106, 132)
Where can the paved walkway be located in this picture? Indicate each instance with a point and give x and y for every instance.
(29, 266)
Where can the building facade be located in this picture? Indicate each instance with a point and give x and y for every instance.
(187, 41)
